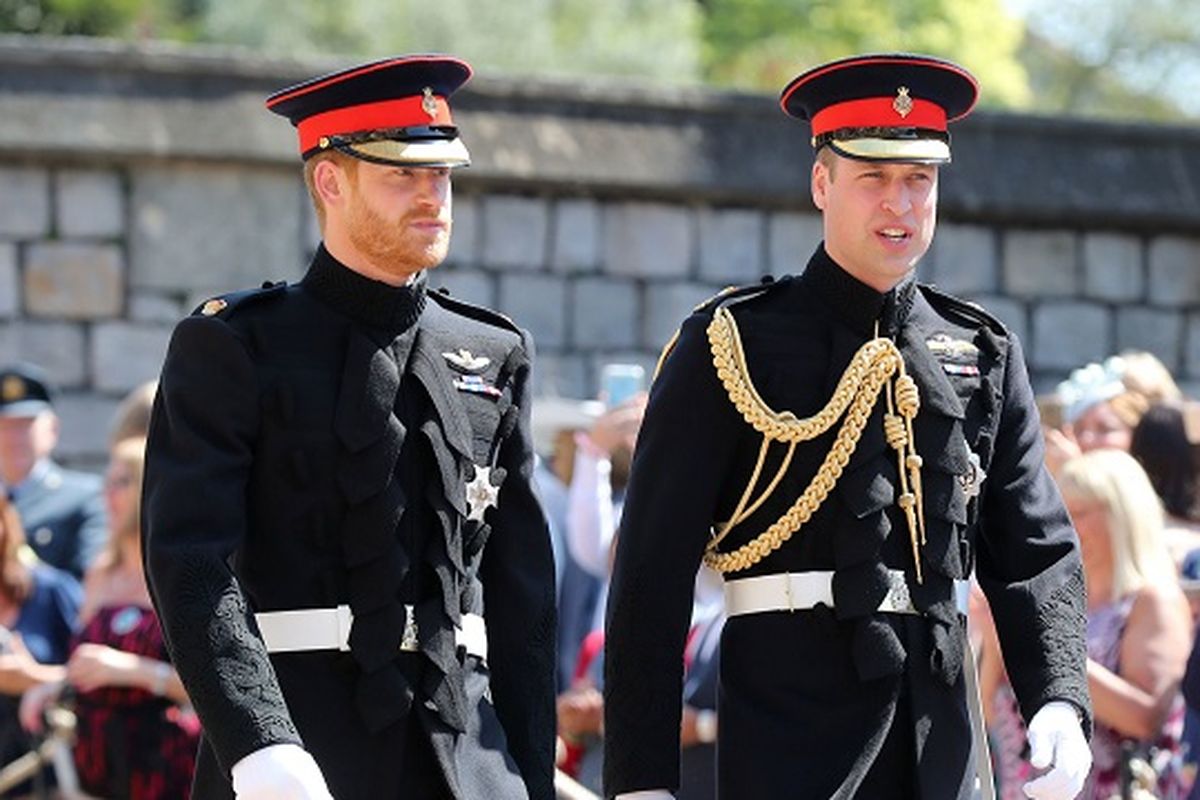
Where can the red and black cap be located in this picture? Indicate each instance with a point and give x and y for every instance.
(393, 111)
(883, 107)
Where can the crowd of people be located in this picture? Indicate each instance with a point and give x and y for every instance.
(1124, 448)
(1122, 442)
(79, 631)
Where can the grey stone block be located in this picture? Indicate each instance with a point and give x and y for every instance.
(90, 203)
(791, 240)
(667, 306)
(514, 232)
(74, 280)
(731, 245)
(472, 285)
(10, 303)
(650, 240)
(560, 375)
(1039, 263)
(124, 355)
(214, 226)
(464, 235)
(538, 303)
(1069, 334)
(86, 421)
(1191, 354)
(1011, 312)
(25, 202)
(1153, 329)
(962, 260)
(605, 313)
(310, 225)
(155, 308)
(1112, 267)
(1174, 271)
(57, 347)
(576, 246)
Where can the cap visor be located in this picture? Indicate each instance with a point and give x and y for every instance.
(422, 153)
(24, 408)
(922, 151)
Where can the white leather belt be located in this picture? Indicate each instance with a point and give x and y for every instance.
(798, 591)
(329, 629)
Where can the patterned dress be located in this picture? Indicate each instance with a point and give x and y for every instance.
(130, 742)
(1106, 626)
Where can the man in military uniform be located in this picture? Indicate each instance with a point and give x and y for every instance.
(62, 510)
(847, 446)
(353, 576)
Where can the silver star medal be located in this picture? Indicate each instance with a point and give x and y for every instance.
(975, 476)
(481, 495)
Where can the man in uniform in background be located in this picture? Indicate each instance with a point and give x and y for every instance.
(61, 510)
(847, 447)
(353, 576)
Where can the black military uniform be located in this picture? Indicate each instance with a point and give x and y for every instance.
(858, 693)
(343, 448)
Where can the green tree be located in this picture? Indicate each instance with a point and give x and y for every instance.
(1119, 58)
(565, 37)
(763, 43)
(78, 17)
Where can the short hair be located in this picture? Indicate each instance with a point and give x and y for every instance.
(828, 159)
(1116, 481)
(348, 163)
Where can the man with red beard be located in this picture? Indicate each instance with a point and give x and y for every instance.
(353, 575)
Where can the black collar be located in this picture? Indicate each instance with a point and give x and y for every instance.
(854, 302)
(391, 309)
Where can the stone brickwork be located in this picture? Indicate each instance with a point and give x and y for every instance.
(137, 206)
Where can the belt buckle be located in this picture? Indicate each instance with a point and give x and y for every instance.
(898, 598)
(408, 640)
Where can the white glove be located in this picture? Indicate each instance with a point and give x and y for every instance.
(279, 772)
(652, 794)
(1056, 739)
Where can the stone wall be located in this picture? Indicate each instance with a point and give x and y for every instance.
(136, 182)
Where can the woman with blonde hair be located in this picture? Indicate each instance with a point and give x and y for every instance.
(136, 737)
(1138, 633)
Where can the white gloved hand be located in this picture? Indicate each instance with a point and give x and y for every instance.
(1056, 740)
(652, 794)
(279, 772)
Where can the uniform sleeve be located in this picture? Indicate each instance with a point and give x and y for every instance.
(1028, 562)
(683, 450)
(195, 518)
(519, 596)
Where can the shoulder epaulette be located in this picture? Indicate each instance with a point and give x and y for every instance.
(734, 294)
(224, 304)
(481, 313)
(730, 294)
(964, 310)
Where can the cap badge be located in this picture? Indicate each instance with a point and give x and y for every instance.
(214, 306)
(323, 143)
(429, 104)
(481, 494)
(903, 103)
(13, 389)
(466, 362)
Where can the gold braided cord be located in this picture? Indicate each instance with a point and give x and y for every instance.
(783, 426)
(742, 512)
(856, 394)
